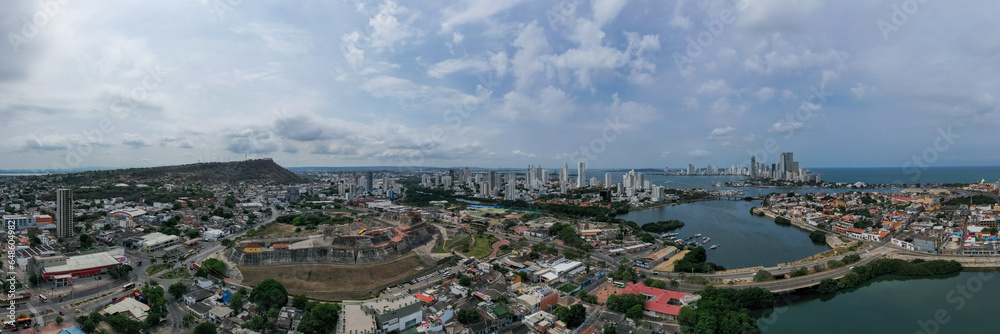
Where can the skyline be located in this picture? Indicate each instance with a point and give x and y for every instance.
(614, 83)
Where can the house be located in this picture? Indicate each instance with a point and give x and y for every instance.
(661, 303)
(197, 295)
(219, 313)
(537, 233)
(252, 248)
(129, 307)
(200, 310)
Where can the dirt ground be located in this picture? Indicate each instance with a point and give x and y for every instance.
(334, 281)
(280, 229)
(668, 265)
(605, 290)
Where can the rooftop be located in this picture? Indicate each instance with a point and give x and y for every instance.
(136, 308)
(81, 262)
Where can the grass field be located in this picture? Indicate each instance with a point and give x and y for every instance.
(457, 242)
(157, 268)
(334, 281)
(279, 229)
(483, 247)
(177, 273)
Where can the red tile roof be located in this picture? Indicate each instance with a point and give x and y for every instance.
(660, 298)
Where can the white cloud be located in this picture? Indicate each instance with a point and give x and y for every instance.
(722, 133)
(699, 153)
(679, 20)
(765, 94)
(473, 11)
(607, 10)
(785, 126)
(690, 103)
(717, 87)
(524, 154)
(450, 66)
(457, 38)
(403, 90)
(861, 90)
(281, 38)
(551, 104)
(135, 140)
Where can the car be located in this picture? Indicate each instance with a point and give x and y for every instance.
(62, 313)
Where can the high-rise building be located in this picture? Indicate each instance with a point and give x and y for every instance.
(581, 175)
(607, 180)
(292, 194)
(369, 182)
(753, 166)
(564, 178)
(64, 213)
(691, 170)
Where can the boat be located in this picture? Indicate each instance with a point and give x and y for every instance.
(714, 246)
(697, 235)
(705, 241)
(679, 240)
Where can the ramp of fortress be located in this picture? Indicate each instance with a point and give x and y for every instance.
(337, 245)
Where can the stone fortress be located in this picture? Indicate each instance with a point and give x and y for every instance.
(372, 240)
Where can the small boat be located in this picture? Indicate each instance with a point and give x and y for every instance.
(679, 240)
(714, 246)
(697, 235)
(705, 241)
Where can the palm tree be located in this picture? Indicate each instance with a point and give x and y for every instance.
(674, 283)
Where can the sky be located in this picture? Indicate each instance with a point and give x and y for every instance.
(486, 83)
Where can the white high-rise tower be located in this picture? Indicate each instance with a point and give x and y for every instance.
(581, 177)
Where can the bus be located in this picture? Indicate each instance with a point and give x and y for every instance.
(43, 298)
(23, 323)
(17, 299)
(618, 284)
(128, 286)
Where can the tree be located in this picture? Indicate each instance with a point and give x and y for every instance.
(117, 272)
(800, 272)
(828, 285)
(634, 312)
(269, 293)
(87, 241)
(320, 319)
(237, 301)
(763, 276)
(610, 329)
(212, 267)
(177, 290)
(59, 320)
(205, 328)
(467, 316)
(573, 316)
(465, 280)
(852, 258)
(655, 283)
(299, 301)
(818, 237)
(192, 233)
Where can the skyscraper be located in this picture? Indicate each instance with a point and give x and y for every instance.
(564, 178)
(581, 175)
(753, 166)
(607, 180)
(369, 182)
(64, 213)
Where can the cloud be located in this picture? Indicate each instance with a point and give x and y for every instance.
(765, 94)
(860, 90)
(403, 90)
(473, 11)
(135, 140)
(450, 66)
(679, 20)
(551, 104)
(717, 87)
(699, 153)
(387, 30)
(249, 141)
(722, 133)
(281, 38)
(607, 10)
(524, 154)
(785, 126)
